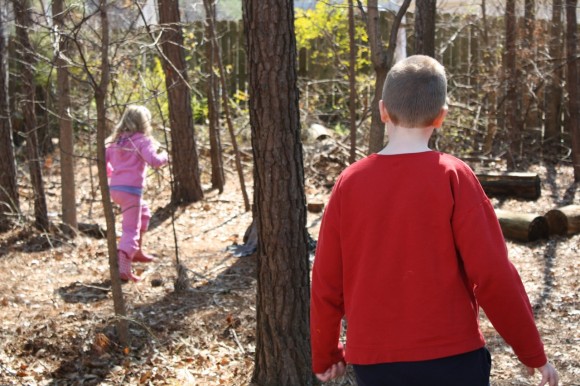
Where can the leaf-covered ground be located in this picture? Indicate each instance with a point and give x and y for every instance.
(56, 306)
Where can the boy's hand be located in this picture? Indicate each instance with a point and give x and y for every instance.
(549, 375)
(334, 371)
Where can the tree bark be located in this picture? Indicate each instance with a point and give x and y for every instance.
(282, 345)
(100, 90)
(27, 59)
(553, 95)
(572, 84)
(491, 95)
(9, 202)
(186, 183)
(218, 177)
(521, 185)
(226, 106)
(66, 142)
(352, 81)
(511, 76)
(425, 16)
(564, 221)
(381, 59)
(522, 226)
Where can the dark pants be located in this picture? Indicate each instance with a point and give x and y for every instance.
(469, 369)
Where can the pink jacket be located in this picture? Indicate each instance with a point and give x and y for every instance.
(128, 157)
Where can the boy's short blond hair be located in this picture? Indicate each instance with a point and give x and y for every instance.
(415, 91)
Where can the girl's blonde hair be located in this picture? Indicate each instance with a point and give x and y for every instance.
(135, 119)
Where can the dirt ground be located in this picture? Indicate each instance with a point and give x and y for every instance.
(57, 317)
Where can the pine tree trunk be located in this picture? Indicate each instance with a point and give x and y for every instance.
(352, 81)
(382, 60)
(510, 69)
(217, 168)
(572, 84)
(25, 53)
(66, 143)
(425, 14)
(9, 203)
(553, 95)
(185, 164)
(282, 345)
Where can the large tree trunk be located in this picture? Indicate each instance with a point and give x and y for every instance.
(572, 84)
(425, 14)
(381, 59)
(553, 95)
(27, 59)
(8, 188)
(66, 143)
(100, 100)
(511, 76)
(218, 177)
(282, 346)
(185, 164)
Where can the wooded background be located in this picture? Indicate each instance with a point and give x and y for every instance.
(68, 68)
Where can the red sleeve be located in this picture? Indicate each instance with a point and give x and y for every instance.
(496, 283)
(327, 307)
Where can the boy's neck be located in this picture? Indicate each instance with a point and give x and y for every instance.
(404, 140)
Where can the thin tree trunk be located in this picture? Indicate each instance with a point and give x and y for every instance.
(282, 346)
(381, 59)
(352, 81)
(553, 95)
(9, 203)
(572, 83)
(66, 143)
(187, 185)
(101, 89)
(510, 68)
(226, 106)
(492, 93)
(217, 168)
(27, 59)
(425, 13)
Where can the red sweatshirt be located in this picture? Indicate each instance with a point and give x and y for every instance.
(409, 248)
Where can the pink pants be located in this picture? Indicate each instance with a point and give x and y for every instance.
(136, 216)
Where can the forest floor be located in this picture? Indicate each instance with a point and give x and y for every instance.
(57, 319)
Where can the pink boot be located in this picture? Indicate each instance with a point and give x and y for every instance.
(125, 272)
(140, 256)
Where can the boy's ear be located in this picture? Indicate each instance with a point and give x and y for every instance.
(384, 114)
(438, 121)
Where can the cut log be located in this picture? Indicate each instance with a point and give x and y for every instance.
(522, 226)
(520, 185)
(564, 221)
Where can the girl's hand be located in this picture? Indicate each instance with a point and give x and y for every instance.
(334, 371)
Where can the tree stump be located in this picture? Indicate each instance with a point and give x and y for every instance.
(564, 221)
(521, 185)
(522, 226)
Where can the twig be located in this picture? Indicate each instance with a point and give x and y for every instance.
(235, 336)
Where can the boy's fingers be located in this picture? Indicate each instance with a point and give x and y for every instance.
(323, 377)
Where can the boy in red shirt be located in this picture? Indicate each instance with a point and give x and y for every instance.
(408, 250)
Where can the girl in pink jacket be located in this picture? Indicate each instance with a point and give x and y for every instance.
(129, 150)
